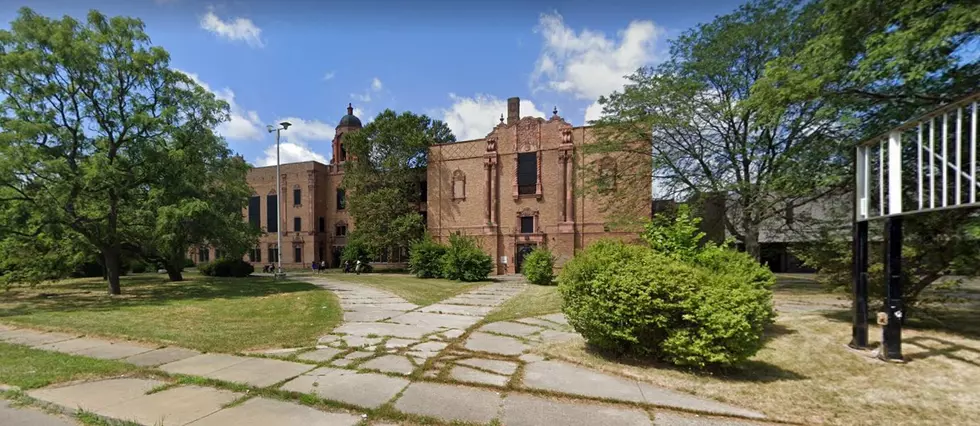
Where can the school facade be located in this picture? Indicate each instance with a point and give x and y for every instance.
(517, 188)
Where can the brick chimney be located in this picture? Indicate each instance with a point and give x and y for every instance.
(513, 110)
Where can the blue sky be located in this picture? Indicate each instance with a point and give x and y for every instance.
(457, 61)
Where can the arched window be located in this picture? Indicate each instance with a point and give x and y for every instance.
(459, 185)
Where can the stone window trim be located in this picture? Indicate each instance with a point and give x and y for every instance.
(297, 202)
(527, 139)
(527, 213)
(338, 226)
(458, 185)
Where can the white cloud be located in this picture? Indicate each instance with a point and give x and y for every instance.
(308, 130)
(243, 124)
(364, 115)
(593, 112)
(238, 29)
(588, 64)
(474, 118)
(289, 152)
(376, 84)
(366, 97)
(328, 75)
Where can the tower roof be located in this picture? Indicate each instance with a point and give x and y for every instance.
(350, 120)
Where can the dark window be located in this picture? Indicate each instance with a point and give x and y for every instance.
(203, 254)
(343, 152)
(254, 212)
(297, 224)
(322, 224)
(527, 224)
(527, 172)
(273, 255)
(218, 254)
(424, 187)
(320, 253)
(341, 230)
(272, 213)
(256, 255)
(298, 254)
(297, 196)
(425, 219)
(341, 199)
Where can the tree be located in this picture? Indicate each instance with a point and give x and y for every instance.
(383, 178)
(86, 110)
(710, 136)
(196, 200)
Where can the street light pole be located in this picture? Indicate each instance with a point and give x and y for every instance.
(284, 125)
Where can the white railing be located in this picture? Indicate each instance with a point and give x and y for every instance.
(945, 144)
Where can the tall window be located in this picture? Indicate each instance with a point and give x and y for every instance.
(459, 185)
(322, 227)
(341, 230)
(297, 196)
(297, 224)
(256, 255)
(218, 254)
(527, 172)
(273, 254)
(424, 187)
(343, 152)
(527, 224)
(272, 213)
(341, 199)
(203, 254)
(254, 212)
(298, 254)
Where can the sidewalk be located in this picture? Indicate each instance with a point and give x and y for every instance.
(389, 355)
(29, 416)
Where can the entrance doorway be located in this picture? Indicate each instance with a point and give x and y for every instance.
(337, 250)
(522, 251)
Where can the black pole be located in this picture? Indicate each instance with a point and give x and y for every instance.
(891, 336)
(859, 327)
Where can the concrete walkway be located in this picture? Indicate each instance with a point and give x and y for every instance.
(29, 416)
(430, 361)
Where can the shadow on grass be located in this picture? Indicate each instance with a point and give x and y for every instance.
(961, 320)
(936, 347)
(752, 371)
(90, 294)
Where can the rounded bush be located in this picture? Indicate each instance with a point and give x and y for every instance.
(710, 311)
(464, 261)
(226, 268)
(539, 266)
(425, 258)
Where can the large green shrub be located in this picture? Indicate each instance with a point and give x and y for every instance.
(226, 268)
(425, 259)
(632, 300)
(464, 261)
(539, 266)
(676, 235)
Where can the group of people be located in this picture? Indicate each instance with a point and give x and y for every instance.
(357, 267)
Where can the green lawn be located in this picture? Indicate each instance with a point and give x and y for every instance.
(419, 291)
(31, 368)
(203, 313)
(536, 300)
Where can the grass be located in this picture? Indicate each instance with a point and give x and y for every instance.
(203, 313)
(31, 368)
(419, 291)
(806, 374)
(534, 301)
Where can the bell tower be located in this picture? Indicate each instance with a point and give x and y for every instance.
(348, 123)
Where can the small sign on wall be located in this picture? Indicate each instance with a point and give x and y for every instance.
(503, 259)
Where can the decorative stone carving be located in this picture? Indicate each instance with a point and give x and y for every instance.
(491, 144)
(566, 135)
(528, 134)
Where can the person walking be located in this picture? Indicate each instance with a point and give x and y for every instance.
(323, 266)
(316, 267)
(357, 267)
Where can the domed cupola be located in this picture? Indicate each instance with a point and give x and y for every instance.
(350, 120)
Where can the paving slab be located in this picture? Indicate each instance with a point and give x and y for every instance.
(29, 416)
(449, 403)
(497, 366)
(263, 412)
(540, 322)
(399, 343)
(328, 339)
(531, 358)
(175, 406)
(558, 318)
(278, 353)
(558, 336)
(370, 315)
(161, 356)
(469, 375)
(511, 328)
(359, 341)
(430, 347)
(33, 338)
(490, 343)
(114, 350)
(655, 395)
(671, 419)
(358, 355)
(572, 379)
(385, 329)
(390, 364)
(473, 302)
(404, 307)
(477, 311)
(528, 410)
(367, 390)
(436, 321)
(71, 346)
(373, 301)
(452, 334)
(202, 365)
(95, 395)
(319, 355)
(260, 372)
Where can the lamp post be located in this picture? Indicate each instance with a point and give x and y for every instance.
(282, 126)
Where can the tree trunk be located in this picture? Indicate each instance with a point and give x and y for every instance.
(173, 271)
(113, 265)
(751, 238)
